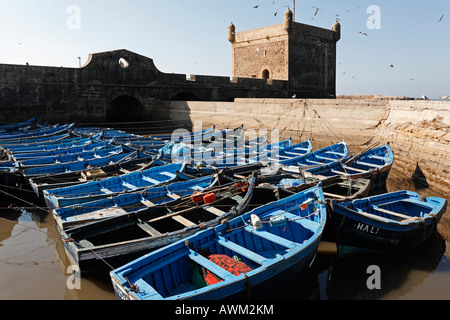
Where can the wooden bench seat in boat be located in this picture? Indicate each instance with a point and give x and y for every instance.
(271, 237)
(242, 251)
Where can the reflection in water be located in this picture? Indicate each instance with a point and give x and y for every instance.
(34, 265)
(349, 276)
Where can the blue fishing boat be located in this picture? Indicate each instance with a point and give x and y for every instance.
(374, 164)
(391, 222)
(121, 239)
(275, 155)
(221, 136)
(215, 152)
(29, 173)
(72, 178)
(61, 141)
(179, 136)
(32, 132)
(256, 254)
(16, 126)
(317, 158)
(84, 213)
(89, 146)
(88, 131)
(89, 191)
(119, 135)
(176, 136)
(269, 157)
(13, 143)
(60, 145)
(43, 132)
(340, 188)
(106, 151)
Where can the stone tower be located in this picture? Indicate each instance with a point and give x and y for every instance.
(301, 54)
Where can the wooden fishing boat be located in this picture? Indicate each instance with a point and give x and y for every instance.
(176, 136)
(192, 171)
(46, 148)
(33, 132)
(131, 182)
(337, 188)
(7, 144)
(63, 141)
(179, 136)
(16, 126)
(88, 131)
(121, 239)
(238, 146)
(106, 151)
(374, 164)
(268, 157)
(29, 173)
(84, 213)
(221, 136)
(90, 145)
(215, 152)
(317, 158)
(32, 159)
(391, 222)
(66, 179)
(256, 254)
(276, 155)
(27, 136)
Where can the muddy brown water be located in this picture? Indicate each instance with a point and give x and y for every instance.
(34, 266)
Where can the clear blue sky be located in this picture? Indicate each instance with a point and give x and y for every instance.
(190, 37)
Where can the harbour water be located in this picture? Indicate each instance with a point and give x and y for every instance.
(34, 266)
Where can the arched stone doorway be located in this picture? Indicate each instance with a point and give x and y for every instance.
(125, 109)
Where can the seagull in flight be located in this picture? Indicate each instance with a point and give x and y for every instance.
(391, 66)
(442, 17)
(256, 7)
(362, 33)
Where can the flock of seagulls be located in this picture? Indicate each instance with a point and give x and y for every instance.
(316, 12)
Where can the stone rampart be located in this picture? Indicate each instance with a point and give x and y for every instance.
(418, 131)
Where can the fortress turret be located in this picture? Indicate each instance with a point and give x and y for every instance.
(337, 30)
(231, 33)
(288, 20)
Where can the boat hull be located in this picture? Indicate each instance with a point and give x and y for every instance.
(266, 252)
(359, 233)
(265, 285)
(125, 247)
